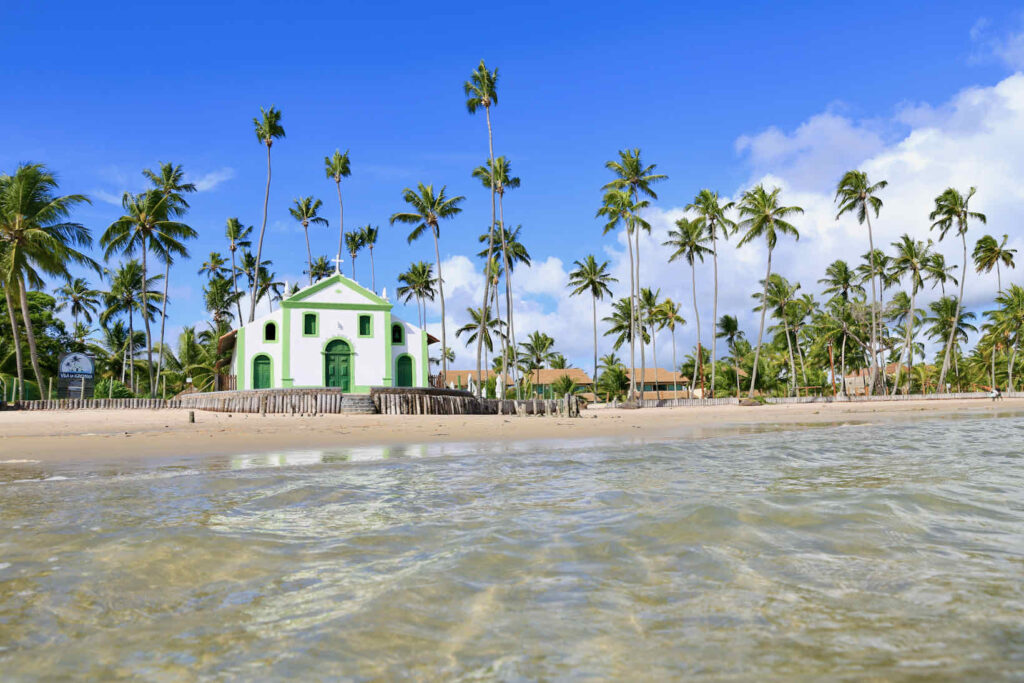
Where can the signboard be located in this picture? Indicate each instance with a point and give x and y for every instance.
(75, 372)
(76, 365)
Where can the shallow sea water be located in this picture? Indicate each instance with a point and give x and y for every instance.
(891, 552)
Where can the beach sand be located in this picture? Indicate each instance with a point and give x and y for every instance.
(94, 435)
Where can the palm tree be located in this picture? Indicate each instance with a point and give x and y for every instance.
(855, 193)
(37, 240)
(427, 212)
(131, 291)
(940, 273)
(988, 254)
(620, 209)
(80, 298)
(841, 280)
(729, 330)
(689, 239)
(481, 90)
(337, 167)
(953, 209)
(417, 282)
(306, 210)
(651, 307)
(622, 324)
(482, 322)
(320, 268)
(948, 321)
(911, 260)
(711, 217)
(633, 177)
(591, 277)
(214, 266)
(778, 295)
(268, 128)
(1010, 321)
(354, 242)
(538, 351)
(763, 217)
(219, 296)
(669, 317)
(238, 238)
(497, 175)
(369, 237)
(170, 182)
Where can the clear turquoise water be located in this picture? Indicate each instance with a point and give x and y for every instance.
(894, 552)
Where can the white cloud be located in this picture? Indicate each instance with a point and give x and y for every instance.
(1006, 47)
(212, 179)
(107, 197)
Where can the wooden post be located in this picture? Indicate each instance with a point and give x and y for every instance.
(191, 417)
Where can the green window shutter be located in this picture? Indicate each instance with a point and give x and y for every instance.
(309, 324)
(364, 326)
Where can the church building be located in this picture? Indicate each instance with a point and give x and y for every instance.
(334, 333)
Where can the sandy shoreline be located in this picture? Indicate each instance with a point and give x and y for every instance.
(127, 434)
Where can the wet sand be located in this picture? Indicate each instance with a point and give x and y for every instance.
(119, 434)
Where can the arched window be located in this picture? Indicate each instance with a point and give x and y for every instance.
(397, 334)
(270, 332)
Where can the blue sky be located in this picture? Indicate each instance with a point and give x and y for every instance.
(99, 91)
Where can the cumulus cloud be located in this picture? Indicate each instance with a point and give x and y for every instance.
(976, 138)
(212, 179)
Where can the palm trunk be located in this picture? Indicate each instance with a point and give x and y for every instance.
(632, 322)
(594, 378)
(259, 247)
(30, 335)
(640, 321)
(1013, 359)
(145, 319)
(675, 369)
(736, 362)
(510, 342)
(309, 254)
(654, 351)
(874, 305)
(440, 290)
(956, 319)
(353, 257)
(163, 317)
(490, 245)
(15, 334)
(792, 362)
(714, 309)
(999, 283)
(760, 332)
(234, 286)
(373, 273)
(131, 346)
(908, 342)
(696, 315)
(842, 365)
(341, 220)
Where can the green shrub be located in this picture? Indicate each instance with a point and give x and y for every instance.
(102, 389)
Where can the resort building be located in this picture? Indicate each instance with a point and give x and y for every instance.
(858, 382)
(334, 333)
(661, 383)
(544, 379)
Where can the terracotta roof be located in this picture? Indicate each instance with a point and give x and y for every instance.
(660, 375)
(890, 369)
(546, 376)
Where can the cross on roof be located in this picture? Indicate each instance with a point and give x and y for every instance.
(337, 264)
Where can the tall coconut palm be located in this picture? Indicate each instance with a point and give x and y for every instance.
(940, 273)
(238, 238)
(670, 317)
(989, 254)
(147, 224)
(620, 209)
(417, 283)
(762, 217)
(306, 210)
(481, 91)
(482, 322)
(952, 209)
(268, 128)
(214, 266)
(650, 304)
(337, 166)
(79, 298)
(950, 322)
(36, 239)
(689, 240)
(131, 292)
(427, 212)
(856, 194)
(636, 178)
(728, 328)
(711, 217)
(911, 261)
(170, 182)
(320, 269)
(369, 236)
(779, 295)
(353, 242)
(1010, 321)
(593, 278)
(498, 175)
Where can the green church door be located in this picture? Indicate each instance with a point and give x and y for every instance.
(338, 365)
(261, 372)
(403, 372)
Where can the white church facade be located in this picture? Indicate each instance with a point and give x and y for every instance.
(334, 333)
